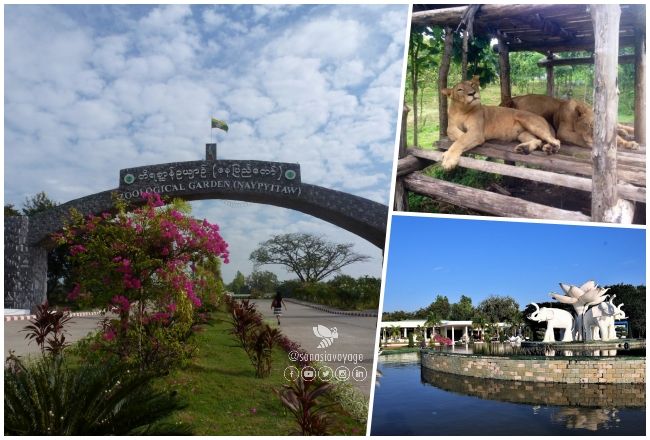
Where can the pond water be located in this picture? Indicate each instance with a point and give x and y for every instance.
(411, 400)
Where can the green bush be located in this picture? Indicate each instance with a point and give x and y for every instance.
(342, 292)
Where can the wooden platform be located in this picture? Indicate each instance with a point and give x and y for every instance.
(570, 168)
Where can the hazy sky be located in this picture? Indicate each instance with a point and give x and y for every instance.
(93, 89)
(478, 258)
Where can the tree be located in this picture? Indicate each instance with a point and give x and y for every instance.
(462, 310)
(433, 321)
(420, 57)
(142, 265)
(38, 203)
(310, 257)
(634, 308)
(440, 307)
(11, 211)
(261, 283)
(238, 285)
(498, 308)
(479, 322)
(395, 331)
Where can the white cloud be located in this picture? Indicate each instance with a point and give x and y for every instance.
(83, 100)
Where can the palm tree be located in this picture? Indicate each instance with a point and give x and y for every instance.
(479, 322)
(395, 331)
(433, 321)
(516, 320)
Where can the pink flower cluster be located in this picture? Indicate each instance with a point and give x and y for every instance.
(129, 280)
(109, 334)
(121, 303)
(153, 199)
(77, 249)
(74, 293)
(442, 340)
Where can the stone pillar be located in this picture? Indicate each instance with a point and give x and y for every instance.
(465, 334)
(453, 334)
(405, 335)
(25, 267)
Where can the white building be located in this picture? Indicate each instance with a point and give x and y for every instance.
(454, 330)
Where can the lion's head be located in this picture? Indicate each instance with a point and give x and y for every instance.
(584, 123)
(465, 92)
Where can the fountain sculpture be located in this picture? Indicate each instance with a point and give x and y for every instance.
(594, 318)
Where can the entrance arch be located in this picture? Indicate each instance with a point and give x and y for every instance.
(271, 183)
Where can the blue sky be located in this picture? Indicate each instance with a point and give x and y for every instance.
(93, 89)
(478, 258)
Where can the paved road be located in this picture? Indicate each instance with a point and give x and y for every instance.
(356, 336)
(77, 328)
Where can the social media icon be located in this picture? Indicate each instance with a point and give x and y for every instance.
(309, 373)
(325, 373)
(359, 373)
(291, 373)
(342, 373)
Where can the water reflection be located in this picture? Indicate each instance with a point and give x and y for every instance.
(540, 393)
(411, 400)
(591, 419)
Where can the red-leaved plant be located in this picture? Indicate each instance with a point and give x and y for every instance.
(301, 399)
(47, 329)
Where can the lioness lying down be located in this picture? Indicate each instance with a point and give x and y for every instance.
(573, 120)
(471, 124)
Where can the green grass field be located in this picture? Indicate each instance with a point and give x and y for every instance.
(429, 131)
(225, 398)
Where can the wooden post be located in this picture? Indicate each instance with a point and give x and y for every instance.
(605, 203)
(504, 70)
(443, 75)
(400, 202)
(550, 77)
(639, 79)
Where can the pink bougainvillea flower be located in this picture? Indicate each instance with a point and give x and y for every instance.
(74, 293)
(77, 249)
(109, 335)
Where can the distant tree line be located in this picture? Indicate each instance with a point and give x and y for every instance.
(342, 291)
(505, 309)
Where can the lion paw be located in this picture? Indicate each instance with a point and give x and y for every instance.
(550, 148)
(449, 161)
(631, 145)
(522, 149)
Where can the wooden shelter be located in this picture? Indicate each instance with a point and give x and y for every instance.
(616, 179)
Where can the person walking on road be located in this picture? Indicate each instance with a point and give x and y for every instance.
(277, 304)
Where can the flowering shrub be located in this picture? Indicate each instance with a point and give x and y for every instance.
(442, 340)
(143, 266)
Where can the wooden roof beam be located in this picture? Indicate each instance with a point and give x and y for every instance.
(549, 27)
(563, 46)
(623, 59)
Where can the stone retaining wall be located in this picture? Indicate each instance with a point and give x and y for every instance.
(563, 370)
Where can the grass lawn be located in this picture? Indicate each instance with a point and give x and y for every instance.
(223, 395)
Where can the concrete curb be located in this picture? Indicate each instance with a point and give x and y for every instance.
(332, 311)
(28, 317)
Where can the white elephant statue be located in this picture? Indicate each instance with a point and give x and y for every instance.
(555, 318)
(599, 320)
